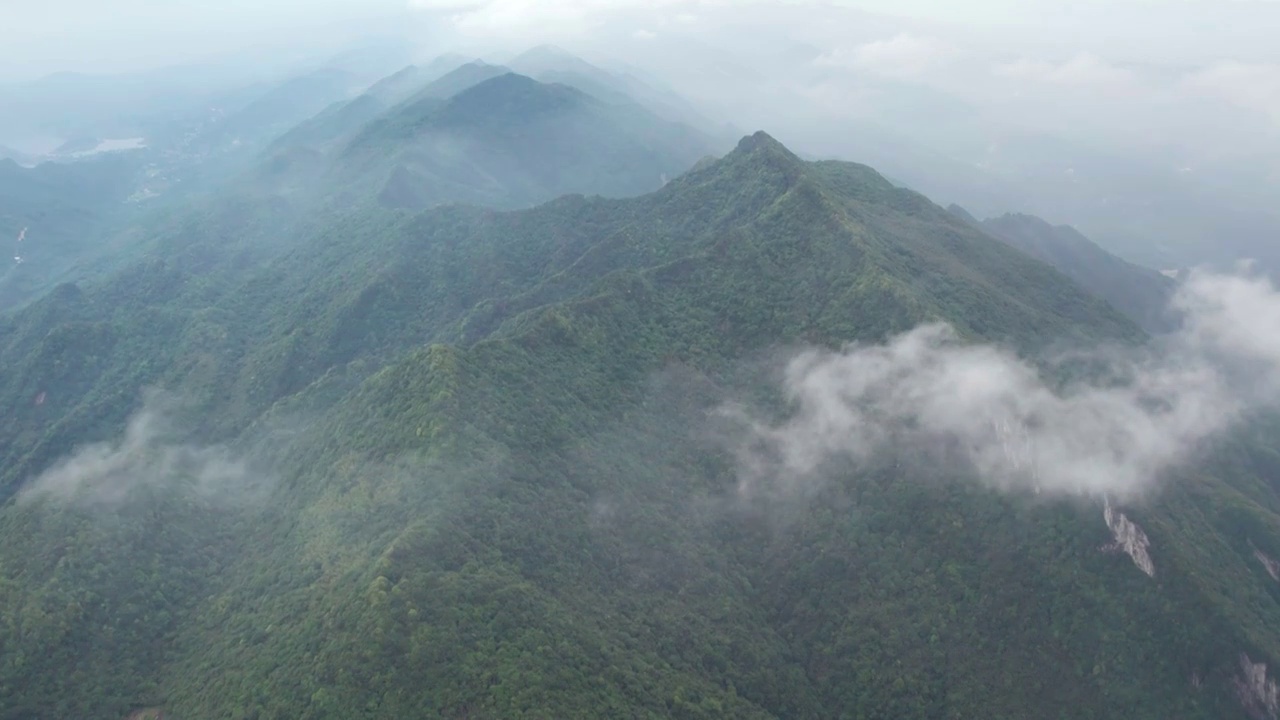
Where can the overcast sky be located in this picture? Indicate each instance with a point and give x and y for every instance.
(91, 35)
(123, 35)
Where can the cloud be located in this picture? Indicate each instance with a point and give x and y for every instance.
(643, 34)
(1252, 86)
(1084, 70)
(1116, 435)
(451, 7)
(902, 56)
(499, 18)
(148, 456)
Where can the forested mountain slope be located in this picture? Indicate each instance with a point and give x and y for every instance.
(480, 135)
(1141, 293)
(467, 463)
(415, 139)
(551, 64)
(412, 91)
(54, 214)
(510, 140)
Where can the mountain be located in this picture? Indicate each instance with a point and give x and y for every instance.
(466, 463)
(95, 201)
(551, 64)
(1161, 209)
(19, 157)
(54, 215)
(463, 77)
(549, 58)
(1140, 293)
(399, 85)
(509, 141)
(416, 90)
(39, 115)
(213, 164)
(281, 107)
(371, 59)
(478, 134)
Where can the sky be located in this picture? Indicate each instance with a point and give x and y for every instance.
(130, 35)
(89, 36)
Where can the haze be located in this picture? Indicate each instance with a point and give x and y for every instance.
(1151, 125)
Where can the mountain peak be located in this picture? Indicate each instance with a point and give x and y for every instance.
(461, 78)
(761, 140)
(513, 91)
(549, 58)
(763, 145)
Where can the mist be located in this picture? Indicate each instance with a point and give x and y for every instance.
(137, 36)
(1023, 426)
(1154, 127)
(150, 456)
(1150, 126)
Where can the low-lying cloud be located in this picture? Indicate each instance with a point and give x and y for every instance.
(149, 456)
(1020, 425)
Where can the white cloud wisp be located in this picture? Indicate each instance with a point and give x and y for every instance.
(1019, 429)
(148, 456)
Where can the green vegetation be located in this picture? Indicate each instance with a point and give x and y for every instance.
(303, 149)
(495, 490)
(1138, 292)
(66, 210)
(484, 135)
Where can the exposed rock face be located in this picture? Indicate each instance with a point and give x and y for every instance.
(1257, 692)
(1268, 562)
(1129, 538)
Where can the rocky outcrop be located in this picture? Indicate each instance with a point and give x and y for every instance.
(1269, 563)
(1129, 539)
(1257, 692)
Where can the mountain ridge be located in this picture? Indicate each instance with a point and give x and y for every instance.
(1141, 293)
(499, 488)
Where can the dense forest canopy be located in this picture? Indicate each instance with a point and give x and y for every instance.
(505, 391)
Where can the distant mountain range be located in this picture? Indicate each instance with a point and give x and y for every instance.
(410, 140)
(1140, 293)
(483, 134)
